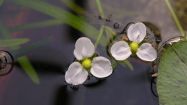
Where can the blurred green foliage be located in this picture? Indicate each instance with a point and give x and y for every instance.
(58, 13)
(181, 8)
(12, 42)
(1, 2)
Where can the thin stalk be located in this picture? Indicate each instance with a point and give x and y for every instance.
(101, 32)
(175, 18)
(100, 8)
(72, 5)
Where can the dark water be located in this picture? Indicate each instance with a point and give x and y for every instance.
(51, 51)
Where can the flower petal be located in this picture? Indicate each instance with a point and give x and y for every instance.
(136, 32)
(146, 52)
(120, 50)
(83, 48)
(75, 74)
(101, 67)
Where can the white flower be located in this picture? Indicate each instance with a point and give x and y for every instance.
(136, 33)
(77, 72)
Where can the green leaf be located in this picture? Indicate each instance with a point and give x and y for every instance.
(172, 75)
(30, 47)
(30, 71)
(73, 6)
(6, 34)
(36, 25)
(12, 42)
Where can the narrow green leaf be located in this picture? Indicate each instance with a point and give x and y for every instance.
(29, 48)
(30, 71)
(73, 6)
(172, 75)
(175, 18)
(100, 8)
(58, 13)
(35, 25)
(6, 34)
(12, 42)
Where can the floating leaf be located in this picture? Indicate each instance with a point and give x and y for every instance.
(172, 75)
(12, 42)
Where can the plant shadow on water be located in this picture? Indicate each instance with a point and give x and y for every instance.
(47, 67)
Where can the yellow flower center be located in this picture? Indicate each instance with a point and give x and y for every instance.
(87, 63)
(134, 46)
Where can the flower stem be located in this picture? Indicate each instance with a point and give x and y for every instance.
(175, 18)
(108, 30)
(100, 8)
(101, 32)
